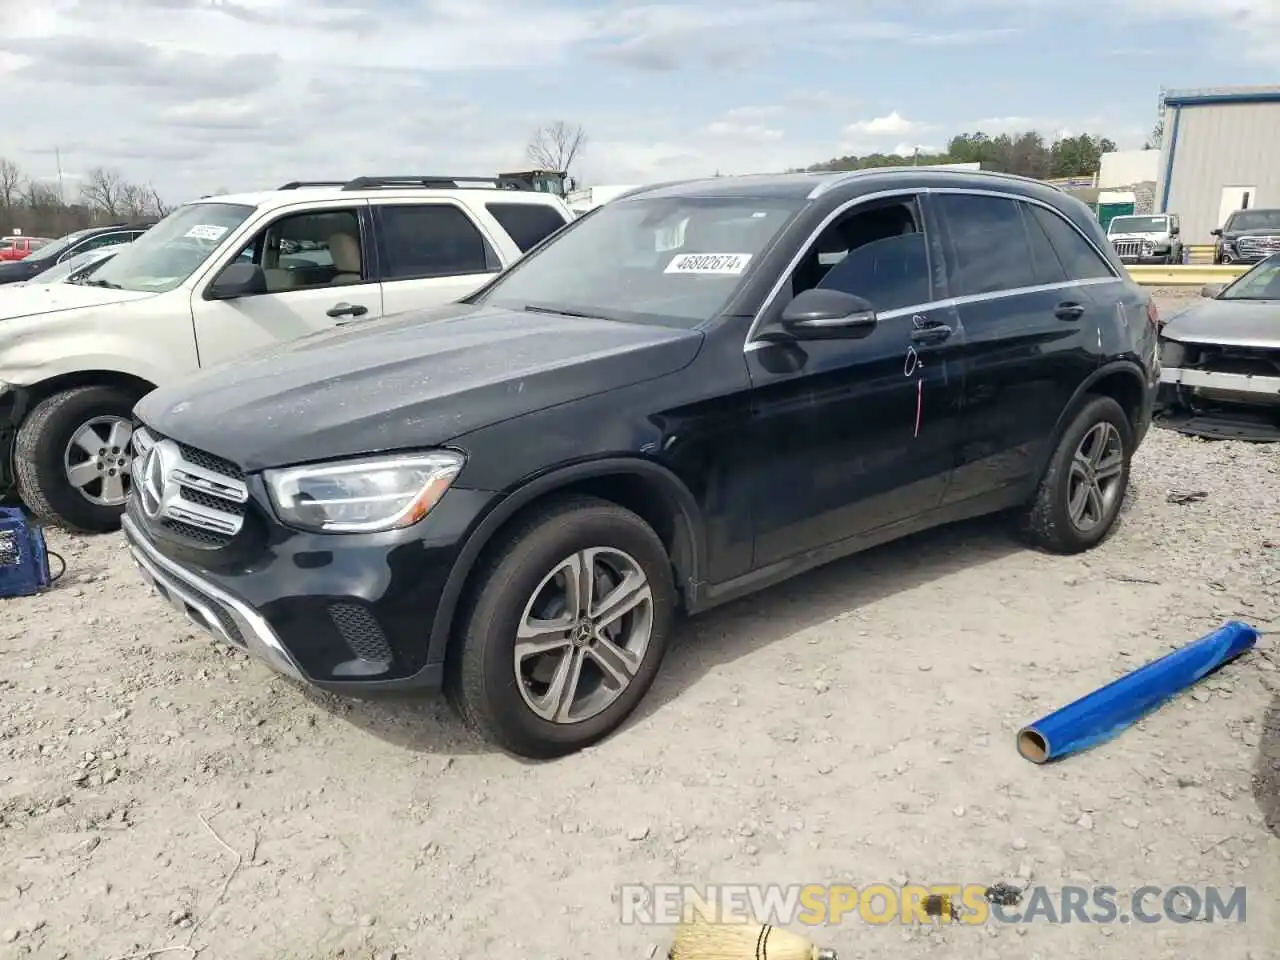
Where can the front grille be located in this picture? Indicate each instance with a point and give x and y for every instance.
(360, 631)
(196, 495)
(1258, 246)
(1132, 248)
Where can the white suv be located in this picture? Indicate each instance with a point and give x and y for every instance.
(215, 279)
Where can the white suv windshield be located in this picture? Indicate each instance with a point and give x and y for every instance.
(1138, 225)
(673, 260)
(172, 250)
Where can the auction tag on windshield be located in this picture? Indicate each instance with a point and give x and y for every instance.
(724, 264)
(205, 231)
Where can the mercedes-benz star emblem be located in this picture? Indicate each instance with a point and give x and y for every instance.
(153, 478)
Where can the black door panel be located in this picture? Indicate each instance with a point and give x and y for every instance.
(1030, 336)
(859, 433)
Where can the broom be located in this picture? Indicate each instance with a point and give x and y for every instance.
(742, 941)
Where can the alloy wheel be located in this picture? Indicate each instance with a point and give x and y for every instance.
(1097, 467)
(96, 461)
(583, 635)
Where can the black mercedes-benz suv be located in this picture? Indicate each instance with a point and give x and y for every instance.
(695, 391)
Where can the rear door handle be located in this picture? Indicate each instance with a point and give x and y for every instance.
(933, 333)
(346, 310)
(1069, 311)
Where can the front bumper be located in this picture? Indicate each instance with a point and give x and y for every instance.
(1245, 386)
(217, 612)
(1151, 259)
(345, 613)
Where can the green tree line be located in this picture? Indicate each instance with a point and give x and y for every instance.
(1026, 154)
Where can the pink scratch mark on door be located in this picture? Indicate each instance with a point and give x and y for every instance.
(919, 405)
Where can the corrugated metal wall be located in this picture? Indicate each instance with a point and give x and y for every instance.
(1217, 146)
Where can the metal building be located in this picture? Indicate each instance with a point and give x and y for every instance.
(1221, 153)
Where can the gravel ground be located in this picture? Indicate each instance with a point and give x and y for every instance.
(856, 726)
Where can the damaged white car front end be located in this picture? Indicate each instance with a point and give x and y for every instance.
(1220, 361)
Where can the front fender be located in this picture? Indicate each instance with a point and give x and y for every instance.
(688, 556)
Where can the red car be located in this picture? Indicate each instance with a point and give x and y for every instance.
(19, 248)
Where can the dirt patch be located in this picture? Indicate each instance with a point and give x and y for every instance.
(855, 726)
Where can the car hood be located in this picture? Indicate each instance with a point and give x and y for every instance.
(13, 270)
(1138, 236)
(1236, 323)
(408, 381)
(24, 301)
(1255, 232)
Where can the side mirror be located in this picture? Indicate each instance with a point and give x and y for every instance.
(1215, 232)
(818, 314)
(1211, 290)
(237, 280)
(1175, 230)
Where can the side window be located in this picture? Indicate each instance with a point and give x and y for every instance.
(891, 273)
(989, 244)
(877, 253)
(100, 241)
(332, 239)
(1048, 267)
(433, 240)
(528, 224)
(1081, 261)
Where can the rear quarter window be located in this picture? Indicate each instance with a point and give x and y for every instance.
(1081, 260)
(528, 224)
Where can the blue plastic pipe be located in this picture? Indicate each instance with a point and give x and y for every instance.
(1099, 716)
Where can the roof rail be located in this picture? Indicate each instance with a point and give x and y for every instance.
(431, 181)
(842, 177)
(295, 184)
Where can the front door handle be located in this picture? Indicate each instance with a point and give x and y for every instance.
(1069, 311)
(346, 310)
(933, 333)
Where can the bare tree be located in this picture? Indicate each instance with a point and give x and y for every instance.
(556, 146)
(104, 191)
(155, 206)
(10, 182)
(35, 206)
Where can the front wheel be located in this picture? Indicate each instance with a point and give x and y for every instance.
(567, 630)
(1080, 496)
(71, 458)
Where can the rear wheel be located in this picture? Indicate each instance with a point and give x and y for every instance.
(71, 458)
(567, 630)
(1083, 489)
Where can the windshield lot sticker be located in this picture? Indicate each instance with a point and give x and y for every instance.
(722, 264)
(205, 231)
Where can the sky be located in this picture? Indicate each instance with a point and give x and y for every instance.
(195, 96)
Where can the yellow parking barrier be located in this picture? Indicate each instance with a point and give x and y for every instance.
(1184, 275)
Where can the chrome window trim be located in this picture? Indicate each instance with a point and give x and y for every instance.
(752, 344)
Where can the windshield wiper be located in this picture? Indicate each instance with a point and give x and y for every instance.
(561, 311)
(105, 284)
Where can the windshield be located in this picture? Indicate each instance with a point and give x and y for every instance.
(1260, 283)
(78, 267)
(675, 261)
(1139, 225)
(172, 250)
(1254, 220)
(53, 248)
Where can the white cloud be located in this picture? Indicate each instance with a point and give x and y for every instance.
(743, 131)
(892, 125)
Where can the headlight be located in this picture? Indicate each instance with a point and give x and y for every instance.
(363, 496)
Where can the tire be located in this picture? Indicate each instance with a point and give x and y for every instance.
(1048, 522)
(482, 679)
(43, 444)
